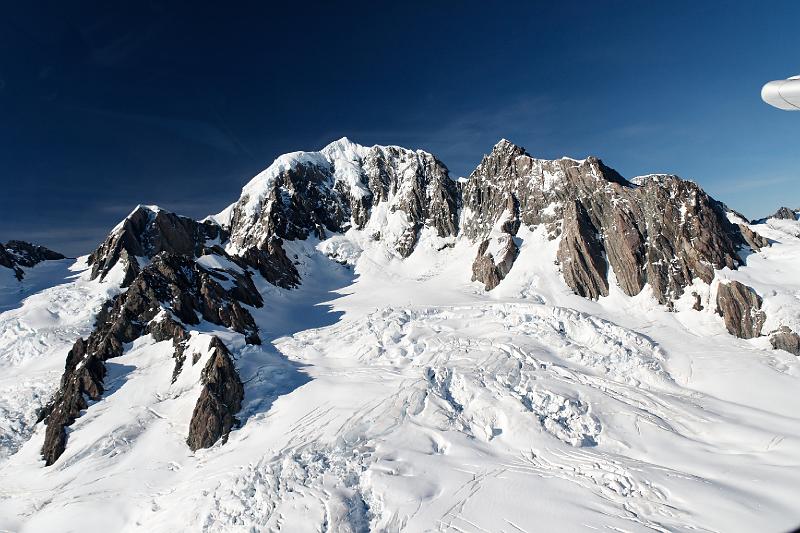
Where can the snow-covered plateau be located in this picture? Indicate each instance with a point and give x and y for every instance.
(363, 343)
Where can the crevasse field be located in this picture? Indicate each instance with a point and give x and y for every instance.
(396, 395)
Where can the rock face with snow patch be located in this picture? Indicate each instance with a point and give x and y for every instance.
(497, 253)
(148, 231)
(658, 230)
(28, 255)
(753, 239)
(785, 339)
(220, 400)
(580, 254)
(7, 261)
(398, 191)
(490, 269)
(270, 260)
(171, 291)
(784, 213)
(18, 254)
(740, 307)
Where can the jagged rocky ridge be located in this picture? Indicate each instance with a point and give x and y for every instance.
(783, 213)
(18, 254)
(656, 230)
(161, 256)
(346, 185)
(165, 296)
(146, 232)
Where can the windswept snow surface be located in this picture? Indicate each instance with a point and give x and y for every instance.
(396, 395)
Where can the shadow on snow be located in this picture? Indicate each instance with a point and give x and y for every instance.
(267, 374)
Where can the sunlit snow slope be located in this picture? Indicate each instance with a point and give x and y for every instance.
(394, 394)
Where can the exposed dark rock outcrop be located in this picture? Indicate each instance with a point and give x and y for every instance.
(28, 255)
(491, 270)
(497, 253)
(581, 254)
(308, 196)
(784, 213)
(171, 291)
(18, 254)
(422, 189)
(148, 231)
(740, 307)
(270, 259)
(785, 339)
(82, 381)
(7, 261)
(660, 229)
(753, 239)
(221, 398)
(698, 302)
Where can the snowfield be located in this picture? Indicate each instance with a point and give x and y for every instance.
(36, 332)
(396, 395)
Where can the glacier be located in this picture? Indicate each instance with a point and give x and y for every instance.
(392, 393)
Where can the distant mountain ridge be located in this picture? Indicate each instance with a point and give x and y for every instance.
(18, 254)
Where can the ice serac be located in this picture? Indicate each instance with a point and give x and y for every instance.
(659, 230)
(17, 254)
(740, 308)
(395, 191)
(169, 293)
(220, 399)
(148, 231)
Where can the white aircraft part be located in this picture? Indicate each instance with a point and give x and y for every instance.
(783, 94)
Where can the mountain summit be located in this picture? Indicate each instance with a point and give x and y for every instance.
(358, 337)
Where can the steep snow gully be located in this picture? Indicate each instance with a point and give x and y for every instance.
(362, 343)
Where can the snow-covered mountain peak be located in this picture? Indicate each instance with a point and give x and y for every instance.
(644, 178)
(342, 155)
(659, 179)
(147, 231)
(505, 145)
(344, 147)
(255, 190)
(502, 153)
(342, 186)
(342, 162)
(151, 208)
(138, 212)
(597, 375)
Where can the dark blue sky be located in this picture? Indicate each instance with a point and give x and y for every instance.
(106, 105)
